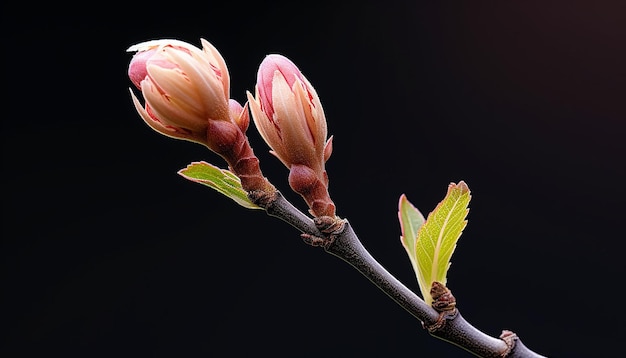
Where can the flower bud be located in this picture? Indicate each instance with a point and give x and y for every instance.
(288, 114)
(186, 93)
(183, 86)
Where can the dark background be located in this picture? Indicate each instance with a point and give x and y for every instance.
(106, 251)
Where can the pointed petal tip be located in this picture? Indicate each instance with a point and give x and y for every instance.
(401, 200)
(328, 148)
(142, 46)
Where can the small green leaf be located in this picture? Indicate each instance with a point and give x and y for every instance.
(430, 245)
(411, 220)
(222, 180)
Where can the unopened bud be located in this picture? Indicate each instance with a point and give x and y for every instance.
(289, 115)
(186, 94)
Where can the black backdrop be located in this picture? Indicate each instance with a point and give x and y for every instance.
(106, 251)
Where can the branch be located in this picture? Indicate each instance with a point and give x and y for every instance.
(281, 208)
(345, 244)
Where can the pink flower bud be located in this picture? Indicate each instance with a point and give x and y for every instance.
(183, 87)
(288, 114)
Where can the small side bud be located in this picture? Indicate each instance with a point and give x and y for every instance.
(444, 303)
(443, 300)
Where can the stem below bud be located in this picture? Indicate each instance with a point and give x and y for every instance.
(303, 181)
(227, 140)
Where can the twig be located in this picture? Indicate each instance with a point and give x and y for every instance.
(451, 327)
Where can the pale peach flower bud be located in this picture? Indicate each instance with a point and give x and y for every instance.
(186, 93)
(288, 114)
(183, 87)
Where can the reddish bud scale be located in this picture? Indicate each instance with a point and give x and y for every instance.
(314, 190)
(233, 145)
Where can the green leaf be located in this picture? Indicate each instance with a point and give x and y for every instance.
(224, 181)
(431, 248)
(411, 220)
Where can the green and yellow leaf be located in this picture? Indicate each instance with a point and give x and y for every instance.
(221, 180)
(431, 247)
